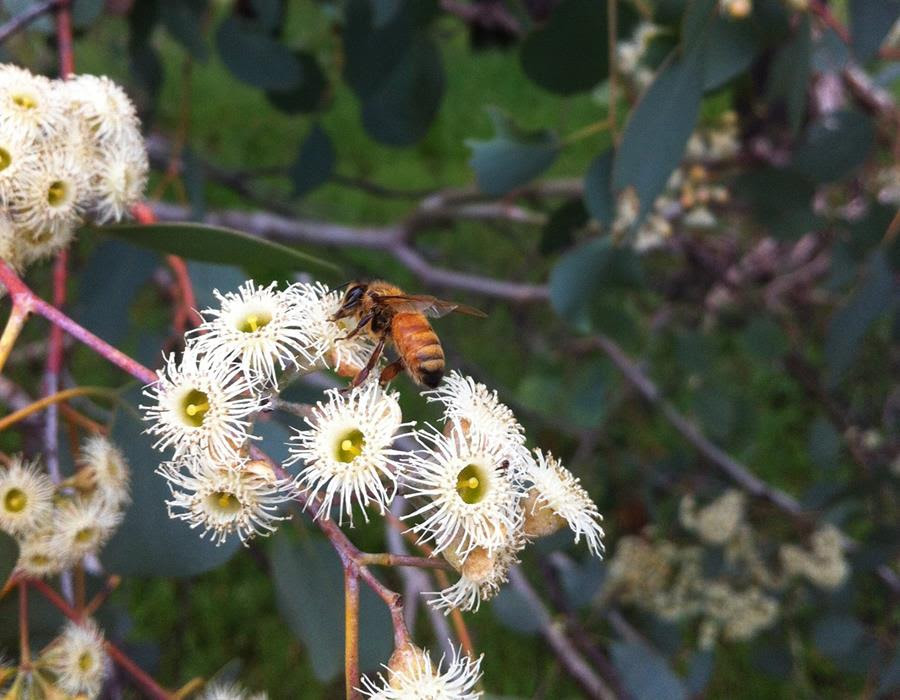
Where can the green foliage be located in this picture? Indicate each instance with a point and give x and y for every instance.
(513, 157)
(315, 162)
(660, 124)
(645, 673)
(307, 576)
(217, 244)
(9, 554)
(255, 58)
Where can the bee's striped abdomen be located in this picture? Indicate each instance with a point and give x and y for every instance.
(419, 348)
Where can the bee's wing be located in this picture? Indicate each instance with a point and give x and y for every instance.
(428, 305)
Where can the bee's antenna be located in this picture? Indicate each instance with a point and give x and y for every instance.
(345, 284)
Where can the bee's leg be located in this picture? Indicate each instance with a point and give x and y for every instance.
(391, 371)
(364, 372)
(359, 326)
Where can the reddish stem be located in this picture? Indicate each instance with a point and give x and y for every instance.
(22, 296)
(64, 38)
(351, 631)
(24, 643)
(150, 686)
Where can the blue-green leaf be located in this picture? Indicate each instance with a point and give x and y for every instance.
(216, 244)
(834, 145)
(513, 157)
(790, 73)
(598, 192)
(645, 673)
(876, 296)
(658, 129)
(309, 589)
(870, 23)
(314, 163)
(256, 58)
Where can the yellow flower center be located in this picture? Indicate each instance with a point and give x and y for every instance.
(85, 535)
(253, 322)
(471, 484)
(85, 662)
(5, 159)
(57, 193)
(196, 406)
(24, 101)
(224, 502)
(350, 446)
(15, 500)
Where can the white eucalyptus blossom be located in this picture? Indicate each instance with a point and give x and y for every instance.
(555, 489)
(17, 161)
(50, 201)
(229, 691)
(469, 483)
(118, 178)
(260, 327)
(719, 521)
(28, 102)
(480, 577)
(418, 678)
(327, 338)
(37, 558)
(200, 406)
(100, 104)
(243, 497)
(476, 407)
(106, 469)
(347, 450)
(81, 526)
(77, 659)
(26, 497)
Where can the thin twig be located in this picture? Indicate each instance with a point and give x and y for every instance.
(351, 630)
(52, 399)
(23, 19)
(11, 331)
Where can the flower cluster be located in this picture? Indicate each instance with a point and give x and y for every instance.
(205, 401)
(484, 495)
(73, 665)
(58, 524)
(70, 151)
(229, 691)
(740, 600)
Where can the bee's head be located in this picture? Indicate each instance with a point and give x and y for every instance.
(351, 300)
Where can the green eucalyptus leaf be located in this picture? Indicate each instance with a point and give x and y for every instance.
(790, 73)
(838, 635)
(658, 129)
(598, 193)
(870, 23)
(183, 20)
(513, 157)
(731, 47)
(585, 273)
(308, 588)
(149, 542)
(834, 145)
(876, 295)
(86, 12)
(216, 244)
(315, 162)
(781, 200)
(310, 95)
(513, 612)
(9, 555)
(374, 44)
(645, 673)
(569, 53)
(256, 58)
(404, 106)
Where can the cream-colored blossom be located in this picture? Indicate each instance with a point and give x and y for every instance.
(106, 469)
(555, 488)
(719, 521)
(200, 406)
(470, 484)
(418, 678)
(26, 497)
(347, 450)
(77, 659)
(261, 328)
(241, 496)
(81, 526)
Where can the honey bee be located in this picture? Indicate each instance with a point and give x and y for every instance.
(387, 313)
